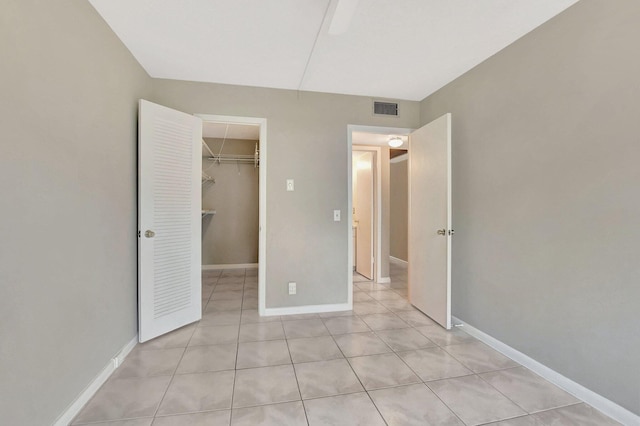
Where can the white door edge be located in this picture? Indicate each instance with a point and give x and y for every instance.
(428, 298)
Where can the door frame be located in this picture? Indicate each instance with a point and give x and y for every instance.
(400, 131)
(262, 203)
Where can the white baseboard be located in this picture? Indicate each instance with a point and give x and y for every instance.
(398, 261)
(74, 408)
(229, 266)
(597, 401)
(384, 280)
(308, 309)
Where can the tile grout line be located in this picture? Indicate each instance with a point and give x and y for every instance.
(408, 366)
(443, 347)
(235, 365)
(392, 351)
(420, 378)
(295, 374)
(375, 333)
(174, 371)
(164, 395)
(417, 375)
(359, 380)
(528, 413)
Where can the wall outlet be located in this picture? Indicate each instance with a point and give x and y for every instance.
(292, 288)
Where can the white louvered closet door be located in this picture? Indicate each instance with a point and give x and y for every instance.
(169, 219)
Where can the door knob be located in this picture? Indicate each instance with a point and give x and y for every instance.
(442, 232)
(149, 234)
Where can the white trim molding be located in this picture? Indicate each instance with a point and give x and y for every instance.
(384, 280)
(597, 401)
(309, 309)
(229, 266)
(74, 408)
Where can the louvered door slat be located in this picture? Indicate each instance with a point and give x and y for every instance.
(169, 205)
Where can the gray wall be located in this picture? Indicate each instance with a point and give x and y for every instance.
(546, 182)
(68, 184)
(231, 236)
(399, 206)
(306, 141)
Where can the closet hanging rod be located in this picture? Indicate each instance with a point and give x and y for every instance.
(232, 156)
(240, 159)
(235, 160)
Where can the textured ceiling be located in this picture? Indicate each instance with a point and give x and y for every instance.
(402, 49)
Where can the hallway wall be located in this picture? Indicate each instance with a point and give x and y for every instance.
(399, 210)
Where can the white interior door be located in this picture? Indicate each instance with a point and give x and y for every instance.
(169, 227)
(430, 220)
(364, 214)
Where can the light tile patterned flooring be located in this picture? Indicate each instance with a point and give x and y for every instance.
(382, 363)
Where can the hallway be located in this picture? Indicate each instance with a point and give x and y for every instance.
(382, 363)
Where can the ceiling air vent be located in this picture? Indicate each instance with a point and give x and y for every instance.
(385, 108)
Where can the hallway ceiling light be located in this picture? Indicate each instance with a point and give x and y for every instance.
(395, 142)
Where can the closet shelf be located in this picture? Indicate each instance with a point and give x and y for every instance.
(233, 158)
(243, 159)
(208, 213)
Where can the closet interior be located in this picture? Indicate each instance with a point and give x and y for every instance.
(230, 191)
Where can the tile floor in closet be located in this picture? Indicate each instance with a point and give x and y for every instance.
(382, 363)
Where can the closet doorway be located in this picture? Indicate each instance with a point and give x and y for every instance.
(234, 195)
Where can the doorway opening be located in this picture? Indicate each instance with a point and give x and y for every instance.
(234, 196)
(429, 214)
(364, 201)
(373, 140)
(398, 208)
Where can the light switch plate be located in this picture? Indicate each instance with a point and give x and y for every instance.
(289, 184)
(292, 288)
(336, 215)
